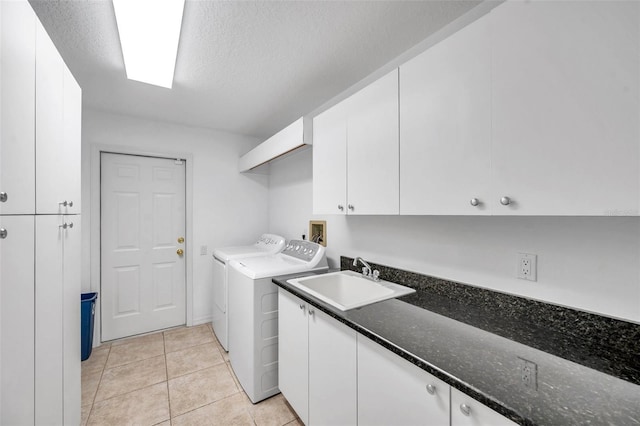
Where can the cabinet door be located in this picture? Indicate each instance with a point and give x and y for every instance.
(332, 371)
(49, 306)
(16, 320)
(71, 157)
(445, 126)
(466, 411)
(565, 108)
(17, 111)
(50, 174)
(373, 173)
(330, 161)
(293, 353)
(71, 320)
(393, 391)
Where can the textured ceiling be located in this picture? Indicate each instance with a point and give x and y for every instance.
(248, 67)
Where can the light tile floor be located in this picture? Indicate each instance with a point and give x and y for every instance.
(180, 376)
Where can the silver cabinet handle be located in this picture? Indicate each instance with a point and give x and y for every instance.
(340, 207)
(3, 197)
(431, 389)
(350, 206)
(311, 312)
(505, 201)
(466, 410)
(474, 202)
(302, 307)
(66, 225)
(3, 233)
(66, 203)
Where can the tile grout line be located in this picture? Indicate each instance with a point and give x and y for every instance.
(166, 369)
(93, 400)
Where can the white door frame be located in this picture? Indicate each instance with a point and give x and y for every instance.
(96, 150)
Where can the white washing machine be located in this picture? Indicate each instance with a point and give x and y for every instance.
(266, 244)
(253, 313)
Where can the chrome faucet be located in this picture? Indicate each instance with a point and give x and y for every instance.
(366, 269)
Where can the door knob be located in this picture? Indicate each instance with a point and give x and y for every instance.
(180, 252)
(180, 240)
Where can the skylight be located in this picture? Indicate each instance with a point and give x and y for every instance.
(149, 35)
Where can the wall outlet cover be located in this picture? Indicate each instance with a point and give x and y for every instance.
(527, 266)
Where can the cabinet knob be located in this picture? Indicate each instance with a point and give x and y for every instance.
(311, 312)
(466, 410)
(431, 389)
(3, 233)
(474, 202)
(66, 203)
(340, 207)
(505, 201)
(350, 206)
(66, 225)
(302, 307)
(3, 197)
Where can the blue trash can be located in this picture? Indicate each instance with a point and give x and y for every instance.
(87, 312)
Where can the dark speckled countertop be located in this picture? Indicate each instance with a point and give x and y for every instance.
(588, 365)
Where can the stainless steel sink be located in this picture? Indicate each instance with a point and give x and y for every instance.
(347, 289)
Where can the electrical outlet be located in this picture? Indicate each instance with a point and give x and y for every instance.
(527, 266)
(203, 250)
(528, 373)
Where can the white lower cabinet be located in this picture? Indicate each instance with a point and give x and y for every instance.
(40, 319)
(57, 320)
(466, 411)
(317, 363)
(392, 391)
(331, 375)
(17, 320)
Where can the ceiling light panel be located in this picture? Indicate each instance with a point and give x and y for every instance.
(149, 36)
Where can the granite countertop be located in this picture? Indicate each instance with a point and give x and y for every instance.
(473, 351)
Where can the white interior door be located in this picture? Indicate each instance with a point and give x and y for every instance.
(142, 207)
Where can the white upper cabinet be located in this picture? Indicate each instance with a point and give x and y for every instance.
(17, 133)
(55, 110)
(41, 122)
(330, 161)
(372, 148)
(566, 129)
(355, 153)
(72, 142)
(445, 126)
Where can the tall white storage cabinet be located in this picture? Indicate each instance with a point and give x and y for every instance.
(40, 230)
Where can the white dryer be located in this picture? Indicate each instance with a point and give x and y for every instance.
(253, 313)
(266, 244)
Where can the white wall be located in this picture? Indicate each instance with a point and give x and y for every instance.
(590, 263)
(228, 208)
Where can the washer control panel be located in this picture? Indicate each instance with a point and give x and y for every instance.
(303, 250)
(270, 240)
